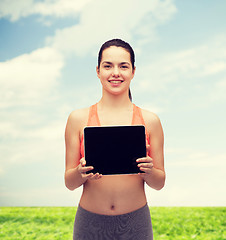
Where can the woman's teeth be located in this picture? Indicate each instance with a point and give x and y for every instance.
(115, 81)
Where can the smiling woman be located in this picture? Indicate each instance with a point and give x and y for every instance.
(114, 206)
(115, 68)
(123, 65)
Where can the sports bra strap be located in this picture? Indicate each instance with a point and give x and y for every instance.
(93, 119)
(137, 116)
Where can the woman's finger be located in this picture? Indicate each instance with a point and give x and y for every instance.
(85, 169)
(145, 170)
(96, 176)
(144, 159)
(83, 162)
(145, 165)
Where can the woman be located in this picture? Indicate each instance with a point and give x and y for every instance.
(114, 207)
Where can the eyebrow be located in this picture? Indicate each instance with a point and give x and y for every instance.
(106, 62)
(122, 63)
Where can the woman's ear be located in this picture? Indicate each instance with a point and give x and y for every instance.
(133, 71)
(98, 72)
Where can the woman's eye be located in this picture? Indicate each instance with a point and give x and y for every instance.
(107, 66)
(124, 66)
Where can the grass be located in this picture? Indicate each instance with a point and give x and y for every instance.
(187, 223)
(169, 223)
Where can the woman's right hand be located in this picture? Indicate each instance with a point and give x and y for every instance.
(82, 169)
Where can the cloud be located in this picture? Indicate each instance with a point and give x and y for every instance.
(103, 20)
(23, 144)
(182, 157)
(28, 133)
(16, 10)
(44, 196)
(218, 91)
(151, 107)
(99, 20)
(27, 79)
(192, 66)
(179, 193)
(25, 8)
(191, 179)
(60, 8)
(1, 171)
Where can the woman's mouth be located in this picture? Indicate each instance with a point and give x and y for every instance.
(115, 83)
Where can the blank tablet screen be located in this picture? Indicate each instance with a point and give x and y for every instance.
(114, 149)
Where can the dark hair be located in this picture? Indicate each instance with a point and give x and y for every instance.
(118, 43)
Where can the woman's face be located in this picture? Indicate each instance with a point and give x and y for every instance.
(115, 71)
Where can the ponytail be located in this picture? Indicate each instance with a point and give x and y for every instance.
(130, 95)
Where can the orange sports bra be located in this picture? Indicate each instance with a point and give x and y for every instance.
(93, 120)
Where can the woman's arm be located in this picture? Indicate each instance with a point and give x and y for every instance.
(153, 166)
(75, 172)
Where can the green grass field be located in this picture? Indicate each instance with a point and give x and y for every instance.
(169, 223)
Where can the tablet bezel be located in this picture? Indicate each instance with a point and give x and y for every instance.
(141, 145)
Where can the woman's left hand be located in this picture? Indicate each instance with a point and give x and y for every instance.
(145, 164)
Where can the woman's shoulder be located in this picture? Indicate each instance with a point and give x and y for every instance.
(78, 116)
(149, 115)
(79, 113)
(151, 119)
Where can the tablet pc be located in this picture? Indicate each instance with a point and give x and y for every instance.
(114, 149)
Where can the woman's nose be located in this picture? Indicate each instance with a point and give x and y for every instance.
(116, 72)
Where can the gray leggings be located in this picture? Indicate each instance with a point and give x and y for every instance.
(130, 226)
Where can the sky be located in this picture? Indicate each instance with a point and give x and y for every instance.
(48, 55)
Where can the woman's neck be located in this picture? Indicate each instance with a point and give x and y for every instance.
(115, 102)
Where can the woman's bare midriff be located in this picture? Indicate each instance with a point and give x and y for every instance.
(113, 195)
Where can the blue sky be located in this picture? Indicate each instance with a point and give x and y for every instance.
(48, 55)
